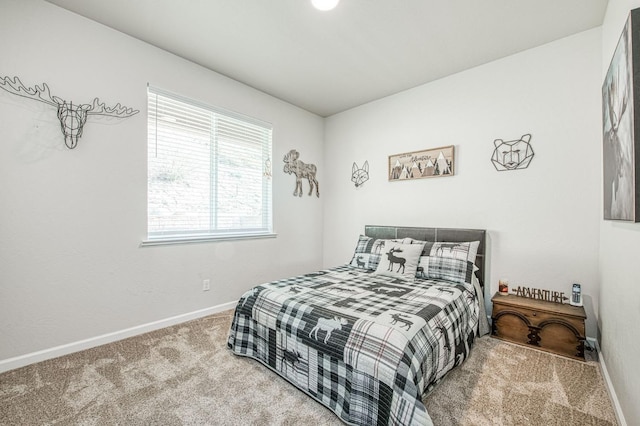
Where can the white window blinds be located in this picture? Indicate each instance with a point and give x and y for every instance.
(207, 174)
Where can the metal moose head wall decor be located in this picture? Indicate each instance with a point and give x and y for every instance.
(72, 116)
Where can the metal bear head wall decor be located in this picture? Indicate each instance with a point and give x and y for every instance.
(72, 116)
(512, 155)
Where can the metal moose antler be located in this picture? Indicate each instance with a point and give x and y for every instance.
(72, 116)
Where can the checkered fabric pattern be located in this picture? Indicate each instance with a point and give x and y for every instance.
(366, 346)
(364, 244)
(455, 270)
(449, 261)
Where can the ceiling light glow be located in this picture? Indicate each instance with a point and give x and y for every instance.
(324, 4)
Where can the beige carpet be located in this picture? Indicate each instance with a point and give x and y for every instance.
(507, 384)
(186, 375)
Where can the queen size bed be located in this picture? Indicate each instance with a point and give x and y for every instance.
(369, 338)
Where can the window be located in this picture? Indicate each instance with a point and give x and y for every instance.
(208, 172)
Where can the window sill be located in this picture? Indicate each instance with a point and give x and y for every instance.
(208, 239)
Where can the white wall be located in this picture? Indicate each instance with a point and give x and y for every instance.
(71, 221)
(619, 254)
(542, 222)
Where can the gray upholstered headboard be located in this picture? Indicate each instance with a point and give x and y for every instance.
(453, 235)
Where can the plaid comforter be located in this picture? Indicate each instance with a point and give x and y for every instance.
(367, 346)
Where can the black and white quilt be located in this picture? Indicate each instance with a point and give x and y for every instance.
(367, 346)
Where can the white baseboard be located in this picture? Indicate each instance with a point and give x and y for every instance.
(22, 360)
(612, 392)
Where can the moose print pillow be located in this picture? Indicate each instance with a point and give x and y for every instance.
(368, 252)
(399, 260)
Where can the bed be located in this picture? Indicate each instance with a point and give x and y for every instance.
(369, 338)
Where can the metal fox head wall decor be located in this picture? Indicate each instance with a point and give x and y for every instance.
(360, 175)
(72, 116)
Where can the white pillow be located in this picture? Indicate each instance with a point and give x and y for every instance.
(399, 260)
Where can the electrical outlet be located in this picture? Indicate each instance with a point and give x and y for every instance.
(206, 285)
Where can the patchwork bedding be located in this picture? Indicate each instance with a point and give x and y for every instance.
(367, 346)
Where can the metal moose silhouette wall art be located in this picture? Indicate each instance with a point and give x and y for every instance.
(292, 165)
(72, 116)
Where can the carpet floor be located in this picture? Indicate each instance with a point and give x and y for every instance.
(185, 375)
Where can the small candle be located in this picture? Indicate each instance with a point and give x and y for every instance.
(503, 286)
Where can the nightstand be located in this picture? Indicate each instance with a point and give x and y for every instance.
(548, 326)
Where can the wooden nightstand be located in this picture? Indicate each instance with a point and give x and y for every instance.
(551, 327)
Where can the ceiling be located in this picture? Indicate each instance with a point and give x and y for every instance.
(328, 62)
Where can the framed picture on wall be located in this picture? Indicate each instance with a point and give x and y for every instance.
(621, 126)
(435, 162)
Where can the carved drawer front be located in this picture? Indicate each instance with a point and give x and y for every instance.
(547, 326)
(561, 338)
(510, 324)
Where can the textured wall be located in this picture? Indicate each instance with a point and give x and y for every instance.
(619, 254)
(72, 220)
(543, 221)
